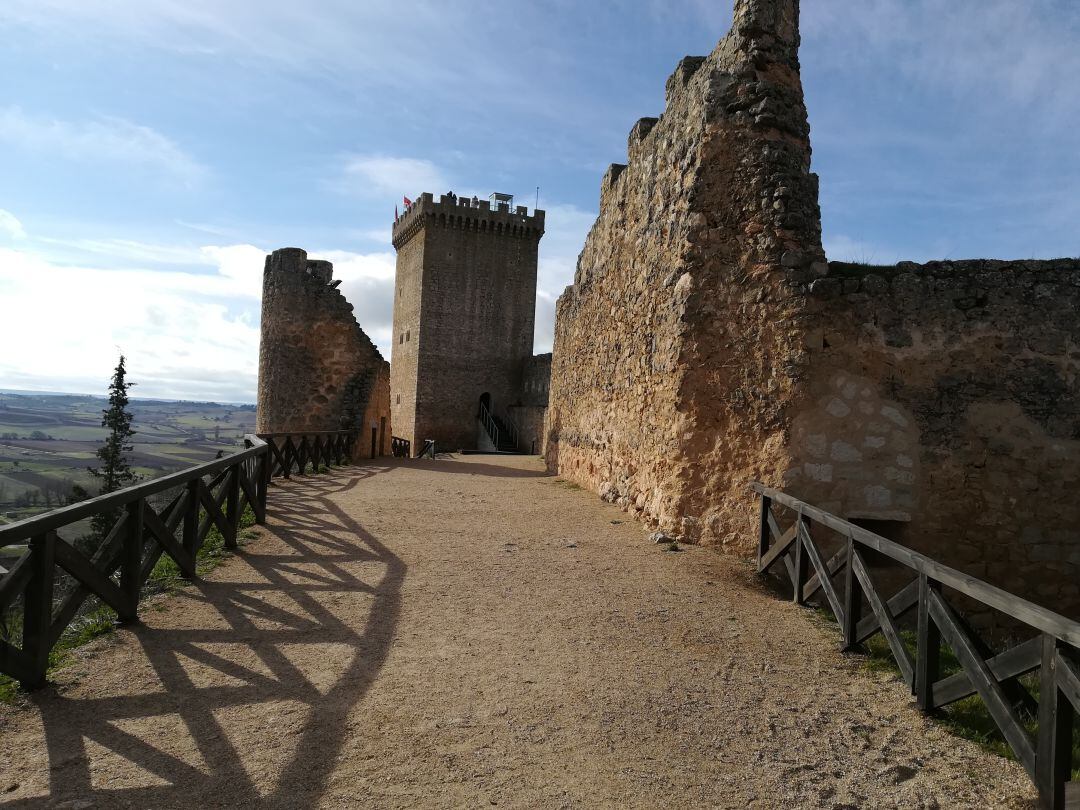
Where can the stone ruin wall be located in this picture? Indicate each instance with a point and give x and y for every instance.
(706, 343)
(678, 348)
(318, 371)
(531, 409)
(943, 397)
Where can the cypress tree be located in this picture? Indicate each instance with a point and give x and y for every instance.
(115, 472)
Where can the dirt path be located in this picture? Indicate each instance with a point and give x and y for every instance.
(470, 632)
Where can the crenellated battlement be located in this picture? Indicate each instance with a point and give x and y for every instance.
(468, 213)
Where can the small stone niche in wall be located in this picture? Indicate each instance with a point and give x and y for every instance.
(855, 454)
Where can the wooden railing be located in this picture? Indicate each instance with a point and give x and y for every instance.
(53, 576)
(295, 452)
(401, 448)
(427, 450)
(862, 610)
(114, 567)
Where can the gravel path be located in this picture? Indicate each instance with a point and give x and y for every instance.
(471, 632)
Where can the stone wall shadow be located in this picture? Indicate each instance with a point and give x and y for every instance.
(259, 609)
(449, 465)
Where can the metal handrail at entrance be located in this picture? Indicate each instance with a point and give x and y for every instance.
(863, 610)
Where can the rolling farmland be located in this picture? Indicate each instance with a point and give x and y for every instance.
(47, 441)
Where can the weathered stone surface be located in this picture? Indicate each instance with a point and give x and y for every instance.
(679, 344)
(317, 369)
(706, 342)
(984, 394)
(531, 409)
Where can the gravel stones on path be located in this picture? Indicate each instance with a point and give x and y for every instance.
(470, 632)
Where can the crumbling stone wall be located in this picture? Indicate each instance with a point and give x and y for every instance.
(318, 371)
(947, 399)
(706, 343)
(678, 348)
(531, 409)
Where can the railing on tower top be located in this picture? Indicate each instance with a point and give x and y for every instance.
(52, 577)
(833, 547)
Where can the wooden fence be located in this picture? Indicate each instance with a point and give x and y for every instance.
(170, 515)
(933, 592)
(296, 452)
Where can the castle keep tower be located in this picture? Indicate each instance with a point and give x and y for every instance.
(464, 307)
(318, 371)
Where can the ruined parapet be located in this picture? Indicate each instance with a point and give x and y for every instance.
(318, 371)
(677, 347)
(706, 343)
(464, 311)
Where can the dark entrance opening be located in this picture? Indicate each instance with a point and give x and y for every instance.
(485, 402)
(374, 441)
(382, 435)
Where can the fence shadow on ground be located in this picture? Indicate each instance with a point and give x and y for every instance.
(244, 701)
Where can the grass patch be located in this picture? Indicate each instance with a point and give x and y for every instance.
(562, 482)
(968, 718)
(166, 576)
(100, 619)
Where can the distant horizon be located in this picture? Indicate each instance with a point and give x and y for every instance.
(33, 392)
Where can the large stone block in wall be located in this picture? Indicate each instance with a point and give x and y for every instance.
(318, 371)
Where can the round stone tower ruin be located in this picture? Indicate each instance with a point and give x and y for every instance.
(318, 371)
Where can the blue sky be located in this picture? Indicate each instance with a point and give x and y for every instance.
(152, 152)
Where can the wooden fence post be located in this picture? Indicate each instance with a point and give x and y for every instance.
(191, 521)
(232, 506)
(1053, 764)
(763, 529)
(262, 481)
(37, 607)
(131, 560)
(287, 455)
(852, 599)
(928, 651)
(802, 562)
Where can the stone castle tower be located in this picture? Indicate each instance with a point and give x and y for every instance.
(318, 371)
(464, 309)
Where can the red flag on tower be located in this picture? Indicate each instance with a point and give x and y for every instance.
(408, 202)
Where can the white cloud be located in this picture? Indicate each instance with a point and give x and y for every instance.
(10, 225)
(394, 176)
(190, 334)
(996, 57)
(566, 227)
(178, 343)
(104, 139)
